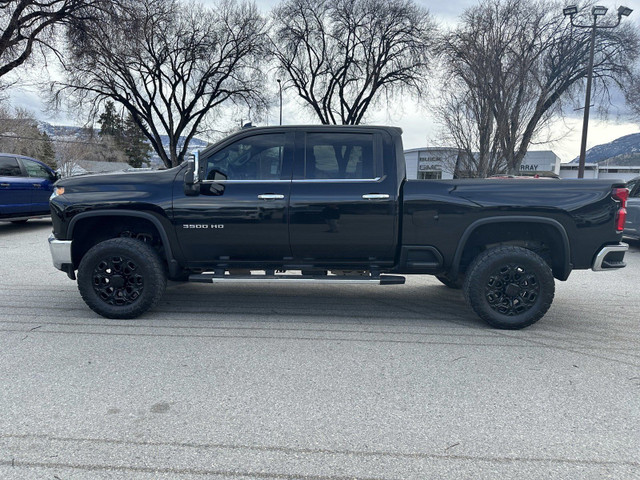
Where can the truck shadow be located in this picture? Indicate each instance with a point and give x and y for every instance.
(420, 301)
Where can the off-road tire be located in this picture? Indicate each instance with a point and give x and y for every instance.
(121, 278)
(455, 284)
(509, 287)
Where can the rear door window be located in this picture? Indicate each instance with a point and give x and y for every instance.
(9, 167)
(340, 156)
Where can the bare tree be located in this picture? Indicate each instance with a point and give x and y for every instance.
(70, 157)
(19, 133)
(74, 156)
(168, 64)
(341, 56)
(468, 123)
(632, 92)
(511, 67)
(27, 25)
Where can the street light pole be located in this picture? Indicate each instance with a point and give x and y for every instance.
(597, 11)
(280, 86)
(587, 104)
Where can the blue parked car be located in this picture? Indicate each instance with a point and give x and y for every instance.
(25, 187)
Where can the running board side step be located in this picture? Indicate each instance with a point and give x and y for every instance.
(216, 278)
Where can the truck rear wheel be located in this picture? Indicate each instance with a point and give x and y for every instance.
(509, 287)
(121, 278)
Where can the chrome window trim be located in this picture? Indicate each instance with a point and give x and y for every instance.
(245, 181)
(336, 180)
(321, 180)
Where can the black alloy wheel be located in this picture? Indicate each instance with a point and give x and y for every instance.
(121, 278)
(117, 280)
(512, 290)
(509, 287)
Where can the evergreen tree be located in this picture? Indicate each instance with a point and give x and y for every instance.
(112, 135)
(110, 122)
(126, 137)
(136, 147)
(47, 151)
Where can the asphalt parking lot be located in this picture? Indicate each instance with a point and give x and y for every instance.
(318, 382)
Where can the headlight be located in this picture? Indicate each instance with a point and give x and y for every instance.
(56, 191)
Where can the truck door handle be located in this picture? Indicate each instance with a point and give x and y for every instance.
(375, 196)
(37, 185)
(4, 185)
(270, 196)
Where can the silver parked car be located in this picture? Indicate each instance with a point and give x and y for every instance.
(632, 225)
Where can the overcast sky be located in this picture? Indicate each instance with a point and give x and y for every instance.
(417, 122)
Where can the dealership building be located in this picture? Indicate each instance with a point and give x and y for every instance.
(440, 163)
(595, 170)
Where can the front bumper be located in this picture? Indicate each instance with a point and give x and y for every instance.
(60, 252)
(610, 257)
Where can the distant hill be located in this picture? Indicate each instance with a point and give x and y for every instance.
(623, 151)
(64, 132)
(623, 160)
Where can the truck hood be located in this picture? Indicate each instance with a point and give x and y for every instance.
(119, 181)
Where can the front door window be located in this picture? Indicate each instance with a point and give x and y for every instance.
(35, 170)
(254, 158)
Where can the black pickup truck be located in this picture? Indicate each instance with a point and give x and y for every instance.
(330, 204)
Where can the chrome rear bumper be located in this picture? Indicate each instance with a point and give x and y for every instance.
(610, 257)
(60, 252)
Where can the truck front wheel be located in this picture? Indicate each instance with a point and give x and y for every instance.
(509, 287)
(121, 278)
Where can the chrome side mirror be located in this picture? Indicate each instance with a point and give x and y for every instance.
(191, 186)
